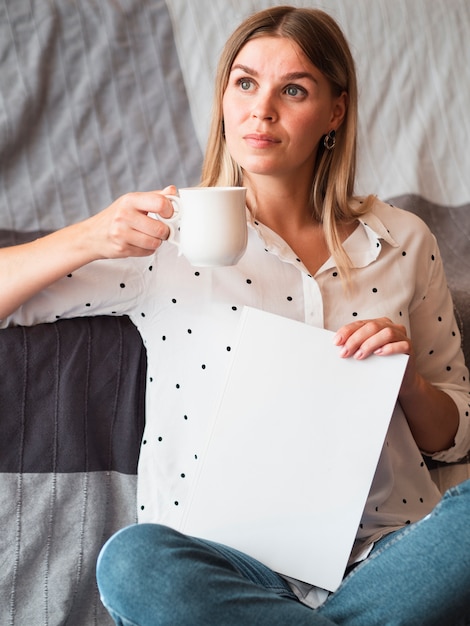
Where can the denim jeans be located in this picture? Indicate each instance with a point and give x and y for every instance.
(149, 575)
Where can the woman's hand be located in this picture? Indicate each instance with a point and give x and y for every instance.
(376, 336)
(126, 227)
(432, 415)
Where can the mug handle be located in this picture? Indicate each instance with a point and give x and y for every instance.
(172, 221)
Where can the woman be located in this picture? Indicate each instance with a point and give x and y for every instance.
(286, 131)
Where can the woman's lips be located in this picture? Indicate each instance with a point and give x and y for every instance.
(259, 140)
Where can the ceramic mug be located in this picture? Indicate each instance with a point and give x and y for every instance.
(209, 225)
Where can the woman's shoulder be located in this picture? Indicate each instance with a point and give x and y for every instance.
(400, 224)
(390, 212)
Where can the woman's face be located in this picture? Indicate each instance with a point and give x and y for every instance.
(277, 106)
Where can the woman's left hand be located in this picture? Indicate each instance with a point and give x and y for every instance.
(432, 414)
(376, 336)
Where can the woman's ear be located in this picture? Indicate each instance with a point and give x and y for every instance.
(340, 106)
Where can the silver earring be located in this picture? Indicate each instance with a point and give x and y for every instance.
(329, 140)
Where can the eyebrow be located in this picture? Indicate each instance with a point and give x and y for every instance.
(288, 77)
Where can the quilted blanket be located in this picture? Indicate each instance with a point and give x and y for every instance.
(72, 416)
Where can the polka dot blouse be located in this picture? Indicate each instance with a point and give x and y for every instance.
(188, 319)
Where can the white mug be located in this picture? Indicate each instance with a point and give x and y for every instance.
(209, 225)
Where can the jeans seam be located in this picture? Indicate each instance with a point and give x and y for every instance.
(116, 614)
(280, 590)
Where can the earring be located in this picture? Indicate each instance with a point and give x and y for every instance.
(329, 140)
(223, 129)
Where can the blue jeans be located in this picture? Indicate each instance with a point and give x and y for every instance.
(149, 574)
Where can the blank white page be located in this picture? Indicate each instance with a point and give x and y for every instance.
(293, 448)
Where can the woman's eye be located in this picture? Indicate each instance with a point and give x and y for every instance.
(245, 84)
(294, 91)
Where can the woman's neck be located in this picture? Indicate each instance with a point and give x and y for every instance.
(280, 205)
(285, 209)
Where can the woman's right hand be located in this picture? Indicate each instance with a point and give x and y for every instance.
(125, 228)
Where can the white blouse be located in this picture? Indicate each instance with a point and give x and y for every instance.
(188, 316)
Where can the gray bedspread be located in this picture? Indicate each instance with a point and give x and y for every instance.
(72, 417)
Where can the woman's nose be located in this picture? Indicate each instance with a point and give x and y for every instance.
(264, 108)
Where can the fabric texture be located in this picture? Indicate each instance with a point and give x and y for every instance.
(72, 416)
(92, 105)
(93, 424)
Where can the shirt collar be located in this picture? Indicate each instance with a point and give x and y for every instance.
(273, 243)
(363, 246)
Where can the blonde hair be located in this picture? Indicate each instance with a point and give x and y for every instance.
(323, 43)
